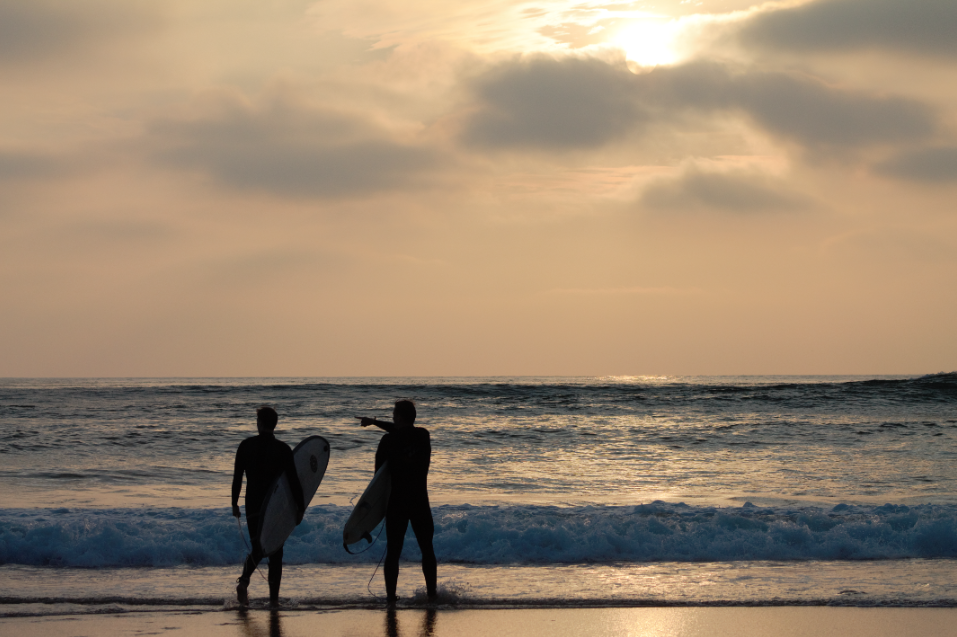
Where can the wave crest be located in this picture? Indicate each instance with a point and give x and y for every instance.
(493, 535)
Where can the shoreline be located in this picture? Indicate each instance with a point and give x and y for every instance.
(10, 609)
(913, 583)
(553, 622)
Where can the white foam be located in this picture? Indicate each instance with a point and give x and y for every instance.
(493, 535)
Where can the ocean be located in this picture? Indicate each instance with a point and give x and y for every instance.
(766, 490)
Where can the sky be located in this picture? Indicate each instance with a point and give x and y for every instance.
(479, 187)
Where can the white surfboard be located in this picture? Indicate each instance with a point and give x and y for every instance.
(370, 509)
(279, 509)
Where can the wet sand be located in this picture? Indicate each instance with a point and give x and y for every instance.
(580, 622)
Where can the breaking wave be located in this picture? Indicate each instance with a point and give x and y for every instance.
(493, 535)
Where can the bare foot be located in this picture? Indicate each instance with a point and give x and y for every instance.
(242, 594)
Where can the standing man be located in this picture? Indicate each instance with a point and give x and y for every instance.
(263, 459)
(408, 450)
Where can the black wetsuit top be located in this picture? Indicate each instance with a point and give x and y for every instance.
(263, 458)
(409, 453)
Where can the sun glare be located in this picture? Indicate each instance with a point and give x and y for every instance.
(649, 42)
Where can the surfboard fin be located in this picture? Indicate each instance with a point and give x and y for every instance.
(367, 538)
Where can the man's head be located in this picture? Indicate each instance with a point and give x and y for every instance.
(266, 419)
(404, 413)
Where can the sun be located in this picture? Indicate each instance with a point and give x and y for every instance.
(648, 41)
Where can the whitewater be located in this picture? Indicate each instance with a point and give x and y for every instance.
(545, 491)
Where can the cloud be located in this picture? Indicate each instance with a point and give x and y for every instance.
(932, 165)
(737, 192)
(17, 165)
(794, 106)
(575, 35)
(44, 28)
(925, 27)
(546, 103)
(291, 150)
(575, 103)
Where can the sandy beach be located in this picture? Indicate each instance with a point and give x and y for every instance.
(604, 622)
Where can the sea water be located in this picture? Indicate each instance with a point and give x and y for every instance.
(545, 491)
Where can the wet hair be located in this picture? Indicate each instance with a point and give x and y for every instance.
(267, 417)
(405, 409)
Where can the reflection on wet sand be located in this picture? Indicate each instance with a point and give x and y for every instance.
(253, 628)
(258, 624)
(392, 623)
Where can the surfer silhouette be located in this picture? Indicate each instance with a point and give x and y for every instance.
(408, 450)
(263, 459)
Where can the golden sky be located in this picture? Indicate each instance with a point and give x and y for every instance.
(478, 187)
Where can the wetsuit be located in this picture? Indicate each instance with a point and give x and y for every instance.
(263, 458)
(408, 452)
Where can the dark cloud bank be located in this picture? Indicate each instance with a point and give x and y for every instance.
(928, 165)
(36, 29)
(547, 103)
(573, 103)
(21, 165)
(290, 151)
(925, 27)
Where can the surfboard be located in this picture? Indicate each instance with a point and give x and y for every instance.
(370, 509)
(279, 508)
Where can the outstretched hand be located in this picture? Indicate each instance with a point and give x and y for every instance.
(365, 422)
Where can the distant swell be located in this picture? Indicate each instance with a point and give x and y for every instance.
(493, 535)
